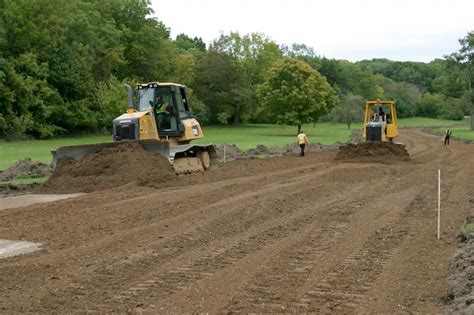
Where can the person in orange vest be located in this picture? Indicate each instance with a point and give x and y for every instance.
(302, 141)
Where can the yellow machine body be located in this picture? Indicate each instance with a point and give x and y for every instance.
(380, 127)
(159, 119)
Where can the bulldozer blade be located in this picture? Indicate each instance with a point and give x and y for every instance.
(78, 151)
(184, 158)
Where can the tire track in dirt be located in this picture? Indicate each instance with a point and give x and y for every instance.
(236, 250)
(330, 250)
(346, 286)
(180, 244)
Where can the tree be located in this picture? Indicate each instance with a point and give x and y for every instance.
(349, 111)
(217, 85)
(229, 72)
(186, 43)
(294, 93)
(463, 60)
(431, 105)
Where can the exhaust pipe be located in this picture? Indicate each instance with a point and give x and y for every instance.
(130, 97)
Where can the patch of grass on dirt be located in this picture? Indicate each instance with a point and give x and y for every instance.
(468, 228)
(27, 181)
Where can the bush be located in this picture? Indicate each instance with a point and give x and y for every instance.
(453, 109)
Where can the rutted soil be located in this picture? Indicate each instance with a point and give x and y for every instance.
(287, 234)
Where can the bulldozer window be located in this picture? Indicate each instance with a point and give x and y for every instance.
(180, 105)
(145, 96)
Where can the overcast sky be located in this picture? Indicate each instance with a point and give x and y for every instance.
(417, 30)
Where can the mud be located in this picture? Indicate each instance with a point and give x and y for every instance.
(373, 152)
(26, 168)
(109, 168)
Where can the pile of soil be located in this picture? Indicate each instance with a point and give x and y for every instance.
(109, 168)
(372, 152)
(460, 297)
(232, 152)
(26, 168)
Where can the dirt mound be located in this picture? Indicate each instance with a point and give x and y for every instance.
(108, 168)
(230, 151)
(26, 168)
(370, 152)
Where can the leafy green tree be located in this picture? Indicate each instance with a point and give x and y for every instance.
(186, 43)
(406, 95)
(245, 59)
(217, 85)
(350, 110)
(431, 105)
(294, 93)
(463, 62)
(453, 108)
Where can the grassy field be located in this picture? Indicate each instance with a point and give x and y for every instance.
(245, 137)
(39, 150)
(431, 122)
(249, 136)
(458, 133)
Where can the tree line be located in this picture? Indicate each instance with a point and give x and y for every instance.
(63, 64)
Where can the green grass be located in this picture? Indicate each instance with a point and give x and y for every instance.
(249, 136)
(39, 150)
(458, 133)
(430, 122)
(245, 137)
(26, 181)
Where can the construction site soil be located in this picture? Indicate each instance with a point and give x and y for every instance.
(373, 152)
(25, 168)
(286, 234)
(109, 168)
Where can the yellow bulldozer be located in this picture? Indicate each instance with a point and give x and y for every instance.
(159, 119)
(380, 121)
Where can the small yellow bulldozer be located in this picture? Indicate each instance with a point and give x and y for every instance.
(380, 121)
(159, 119)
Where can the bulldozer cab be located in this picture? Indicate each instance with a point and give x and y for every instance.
(168, 102)
(380, 120)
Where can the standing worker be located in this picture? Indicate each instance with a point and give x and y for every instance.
(302, 141)
(447, 135)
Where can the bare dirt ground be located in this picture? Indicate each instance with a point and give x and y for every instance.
(287, 234)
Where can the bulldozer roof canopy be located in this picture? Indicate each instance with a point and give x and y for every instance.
(144, 85)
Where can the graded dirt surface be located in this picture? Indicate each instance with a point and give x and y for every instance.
(287, 234)
(7, 202)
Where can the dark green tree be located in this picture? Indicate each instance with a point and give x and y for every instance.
(463, 62)
(294, 93)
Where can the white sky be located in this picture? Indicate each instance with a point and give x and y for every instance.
(416, 30)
